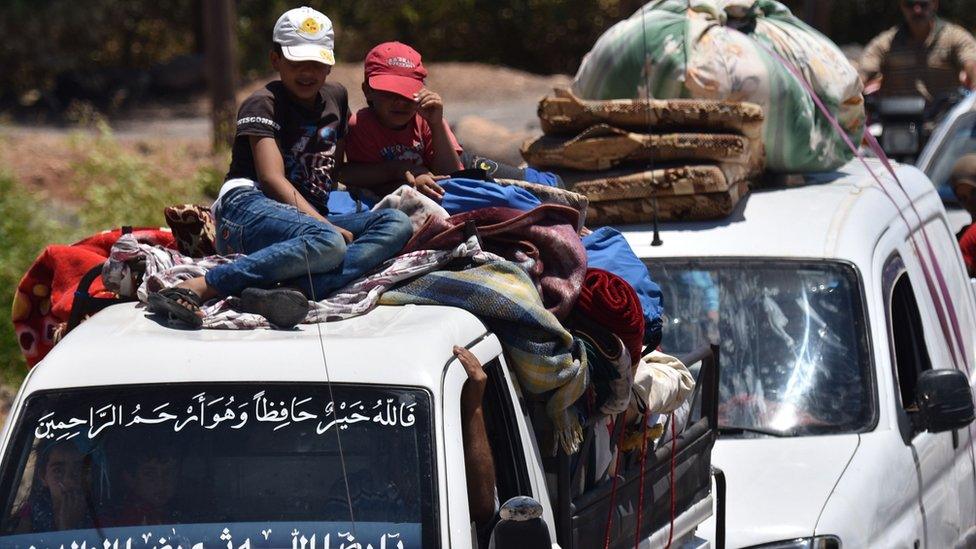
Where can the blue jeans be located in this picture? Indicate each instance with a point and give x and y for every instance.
(284, 245)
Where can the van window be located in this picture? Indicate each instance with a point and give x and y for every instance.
(910, 353)
(188, 464)
(511, 475)
(908, 339)
(792, 337)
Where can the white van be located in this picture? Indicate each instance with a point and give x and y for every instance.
(847, 356)
(251, 439)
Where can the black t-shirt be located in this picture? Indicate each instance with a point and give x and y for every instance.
(307, 138)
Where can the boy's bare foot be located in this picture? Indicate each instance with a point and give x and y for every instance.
(200, 287)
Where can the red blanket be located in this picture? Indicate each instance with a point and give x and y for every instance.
(43, 300)
(612, 303)
(542, 241)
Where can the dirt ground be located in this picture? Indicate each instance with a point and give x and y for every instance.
(491, 108)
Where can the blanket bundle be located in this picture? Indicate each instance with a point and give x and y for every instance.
(46, 293)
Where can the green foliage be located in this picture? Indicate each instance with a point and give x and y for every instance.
(120, 188)
(26, 227)
(106, 42)
(116, 188)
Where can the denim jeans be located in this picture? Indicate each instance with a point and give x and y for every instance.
(283, 245)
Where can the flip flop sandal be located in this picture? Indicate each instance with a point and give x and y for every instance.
(173, 302)
(283, 307)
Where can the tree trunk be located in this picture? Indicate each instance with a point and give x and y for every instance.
(220, 20)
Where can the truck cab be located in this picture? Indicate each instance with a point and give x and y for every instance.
(837, 306)
(342, 434)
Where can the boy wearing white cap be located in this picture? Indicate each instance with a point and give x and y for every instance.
(273, 205)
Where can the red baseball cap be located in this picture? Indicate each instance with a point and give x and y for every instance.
(396, 68)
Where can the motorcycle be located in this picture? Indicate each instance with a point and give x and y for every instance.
(904, 124)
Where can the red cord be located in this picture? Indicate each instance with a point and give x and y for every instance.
(613, 488)
(674, 501)
(640, 501)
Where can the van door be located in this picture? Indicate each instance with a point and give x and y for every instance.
(960, 296)
(918, 344)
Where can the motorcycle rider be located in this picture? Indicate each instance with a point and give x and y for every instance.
(925, 55)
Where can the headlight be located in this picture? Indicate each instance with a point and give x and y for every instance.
(819, 542)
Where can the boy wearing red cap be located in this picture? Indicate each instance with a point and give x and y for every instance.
(401, 137)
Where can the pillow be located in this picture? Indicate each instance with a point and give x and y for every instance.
(194, 229)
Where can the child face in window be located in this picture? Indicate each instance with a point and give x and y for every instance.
(153, 481)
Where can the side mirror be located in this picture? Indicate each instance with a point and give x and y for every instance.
(520, 526)
(945, 401)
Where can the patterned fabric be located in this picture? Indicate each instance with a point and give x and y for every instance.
(543, 242)
(681, 49)
(165, 268)
(46, 294)
(602, 147)
(194, 229)
(543, 354)
(563, 113)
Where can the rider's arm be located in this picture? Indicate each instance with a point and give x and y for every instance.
(873, 57)
(965, 52)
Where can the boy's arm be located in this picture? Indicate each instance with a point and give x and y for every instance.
(431, 108)
(270, 167)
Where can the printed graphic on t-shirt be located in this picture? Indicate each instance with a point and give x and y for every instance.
(310, 161)
(400, 151)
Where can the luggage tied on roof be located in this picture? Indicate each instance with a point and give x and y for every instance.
(713, 49)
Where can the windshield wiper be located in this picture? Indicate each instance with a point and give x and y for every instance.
(738, 430)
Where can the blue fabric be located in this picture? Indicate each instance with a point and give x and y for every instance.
(550, 179)
(283, 245)
(607, 249)
(341, 202)
(464, 195)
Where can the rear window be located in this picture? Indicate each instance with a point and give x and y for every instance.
(228, 465)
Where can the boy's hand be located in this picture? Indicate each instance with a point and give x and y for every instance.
(431, 107)
(427, 184)
(346, 235)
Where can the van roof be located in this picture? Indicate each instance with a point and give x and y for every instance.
(123, 344)
(836, 215)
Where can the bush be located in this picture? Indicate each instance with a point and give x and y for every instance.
(116, 187)
(26, 227)
(120, 188)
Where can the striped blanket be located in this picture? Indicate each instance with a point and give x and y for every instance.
(543, 354)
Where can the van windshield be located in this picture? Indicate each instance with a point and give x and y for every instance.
(228, 465)
(792, 339)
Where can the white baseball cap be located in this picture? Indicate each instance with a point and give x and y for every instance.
(305, 35)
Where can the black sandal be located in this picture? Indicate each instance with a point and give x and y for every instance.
(283, 307)
(177, 304)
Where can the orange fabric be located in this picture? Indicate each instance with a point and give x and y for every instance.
(45, 295)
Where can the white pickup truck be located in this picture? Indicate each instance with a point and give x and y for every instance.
(341, 435)
(847, 333)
